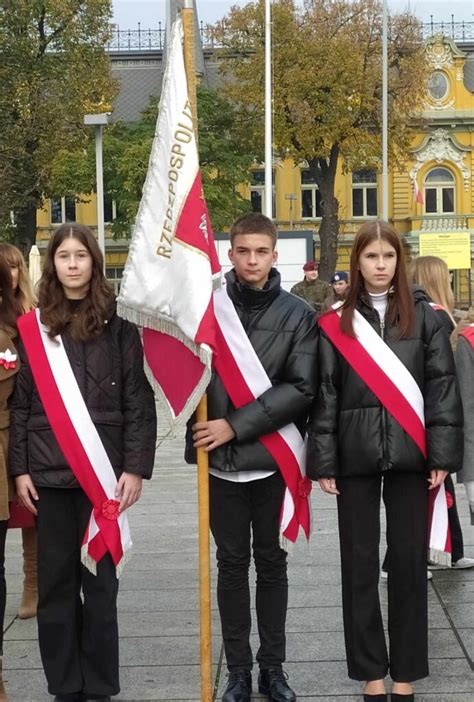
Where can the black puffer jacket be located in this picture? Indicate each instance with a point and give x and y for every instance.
(110, 375)
(282, 330)
(350, 433)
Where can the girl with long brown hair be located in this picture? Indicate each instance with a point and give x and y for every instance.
(78, 464)
(386, 420)
(25, 300)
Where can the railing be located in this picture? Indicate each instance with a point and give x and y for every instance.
(155, 39)
(461, 32)
(151, 39)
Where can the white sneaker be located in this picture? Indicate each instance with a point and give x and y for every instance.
(464, 563)
(429, 574)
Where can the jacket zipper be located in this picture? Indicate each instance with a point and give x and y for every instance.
(384, 414)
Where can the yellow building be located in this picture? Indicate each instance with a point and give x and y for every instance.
(441, 166)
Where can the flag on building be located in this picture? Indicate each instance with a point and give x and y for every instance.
(417, 194)
(172, 267)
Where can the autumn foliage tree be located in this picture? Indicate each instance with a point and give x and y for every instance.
(53, 70)
(225, 157)
(327, 88)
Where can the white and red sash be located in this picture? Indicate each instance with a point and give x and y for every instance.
(394, 386)
(78, 439)
(468, 333)
(245, 379)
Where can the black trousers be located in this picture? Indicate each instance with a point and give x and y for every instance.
(78, 638)
(405, 497)
(3, 582)
(237, 509)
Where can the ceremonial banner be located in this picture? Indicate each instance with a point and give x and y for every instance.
(172, 267)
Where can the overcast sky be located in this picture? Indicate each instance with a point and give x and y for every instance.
(127, 13)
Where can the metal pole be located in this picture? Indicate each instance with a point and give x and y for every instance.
(268, 206)
(385, 112)
(100, 189)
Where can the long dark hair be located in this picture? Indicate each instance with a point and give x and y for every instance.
(9, 307)
(24, 293)
(401, 308)
(87, 321)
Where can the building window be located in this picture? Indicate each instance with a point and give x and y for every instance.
(114, 275)
(364, 193)
(310, 196)
(63, 209)
(110, 209)
(439, 191)
(257, 191)
(438, 86)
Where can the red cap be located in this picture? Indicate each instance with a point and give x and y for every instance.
(310, 266)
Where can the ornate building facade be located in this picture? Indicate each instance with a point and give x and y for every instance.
(433, 193)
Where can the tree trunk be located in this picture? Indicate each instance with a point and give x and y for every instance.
(329, 236)
(324, 172)
(25, 220)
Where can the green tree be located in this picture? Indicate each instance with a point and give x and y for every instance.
(327, 87)
(225, 160)
(53, 70)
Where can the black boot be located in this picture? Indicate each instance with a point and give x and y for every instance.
(402, 698)
(272, 682)
(239, 686)
(375, 698)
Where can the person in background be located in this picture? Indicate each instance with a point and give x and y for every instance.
(26, 300)
(340, 285)
(386, 371)
(312, 288)
(463, 342)
(9, 367)
(432, 274)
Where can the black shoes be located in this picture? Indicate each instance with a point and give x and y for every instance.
(94, 698)
(71, 697)
(272, 682)
(239, 686)
(403, 698)
(375, 698)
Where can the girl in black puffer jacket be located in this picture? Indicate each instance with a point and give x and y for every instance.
(357, 448)
(64, 476)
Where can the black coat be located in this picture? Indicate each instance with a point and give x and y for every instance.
(110, 375)
(351, 434)
(282, 330)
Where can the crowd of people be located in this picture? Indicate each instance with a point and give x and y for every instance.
(373, 367)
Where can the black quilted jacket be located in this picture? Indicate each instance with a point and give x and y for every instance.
(282, 330)
(350, 432)
(109, 372)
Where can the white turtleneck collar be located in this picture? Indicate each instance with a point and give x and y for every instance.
(380, 302)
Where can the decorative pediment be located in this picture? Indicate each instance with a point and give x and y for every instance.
(441, 52)
(441, 146)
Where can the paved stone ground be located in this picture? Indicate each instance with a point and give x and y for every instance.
(159, 620)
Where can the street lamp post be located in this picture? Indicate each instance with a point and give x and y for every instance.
(99, 121)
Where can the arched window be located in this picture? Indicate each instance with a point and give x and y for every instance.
(439, 191)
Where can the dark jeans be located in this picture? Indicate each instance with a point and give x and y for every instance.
(3, 582)
(78, 638)
(405, 497)
(237, 509)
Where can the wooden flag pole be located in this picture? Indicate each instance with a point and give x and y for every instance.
(187, 15)
(204, 563)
